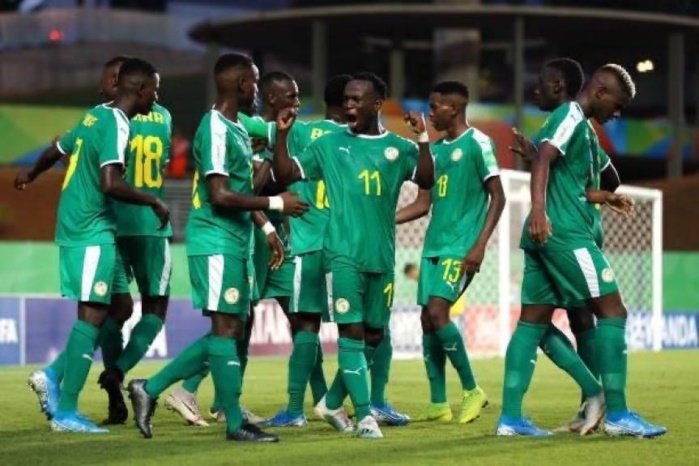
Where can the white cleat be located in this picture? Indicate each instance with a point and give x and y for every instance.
(248, 416)
(186, 405)
(369, 428)
(335, 417)
(593, 409)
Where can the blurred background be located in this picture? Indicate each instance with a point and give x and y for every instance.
(51, 53)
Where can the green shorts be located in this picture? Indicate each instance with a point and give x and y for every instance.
(148, 260)
(252, 281)
(220, 283)
(562, 278)
(310, 291)
(441, 277)
(271, 283)
(361, 296)
(87, 272)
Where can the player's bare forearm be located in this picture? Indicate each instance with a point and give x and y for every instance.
(259, 218)
(424, 175)
(285, 170)
(609, 179)
(221, 196)
(595, 196)
(541, 164)
(48, 158)
(497, 205)
(262, 176)
(114, 186)
(416, 209)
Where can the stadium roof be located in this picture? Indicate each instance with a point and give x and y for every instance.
(289, 31)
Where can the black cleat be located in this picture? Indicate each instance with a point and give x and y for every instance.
(143, 406)
(111, 380)
(251, 433)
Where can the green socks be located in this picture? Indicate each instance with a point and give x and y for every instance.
(78, 359)
(111, 341)
(317, 382)
(560, 350)
(192, 383)
(226, 373)
(301, 364)
(380, 368)
(140, 340)
(453, 346)
(242, 347)
(188, 363)
(435, 365)
(520, 361)
(587, 349)
(611, 360)
(352, 372)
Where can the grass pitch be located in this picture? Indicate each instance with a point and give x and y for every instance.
(663, 386)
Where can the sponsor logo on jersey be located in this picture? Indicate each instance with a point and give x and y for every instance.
(457, 154)
(232, 295)
(391, 154)
(608, 275)
(100, 288)
(342, 306)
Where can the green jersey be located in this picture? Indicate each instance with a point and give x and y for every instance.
(221, 147)
(308, 230)
(363, 176)
(567, 208)
(600, 162)
(148, 154)
(279, 220)
(257, 127)
(85, 214)
(459, 196)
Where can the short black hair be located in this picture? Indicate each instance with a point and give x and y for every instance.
(334, 93)
(379, 84)
(274, 77)
(451, 88)
(232, 60)
(135, 67)
(572, 73)
(114, 60)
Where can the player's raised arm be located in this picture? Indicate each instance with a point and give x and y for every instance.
(424, 173)
(416, 209)
(285, 170)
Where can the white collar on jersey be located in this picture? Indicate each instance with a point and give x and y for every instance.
(445, 141)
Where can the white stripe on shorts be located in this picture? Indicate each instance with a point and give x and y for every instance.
(167, 270)
(588, 269)
(329, 288)
(298, 267)
(90, 261)
(215, 281)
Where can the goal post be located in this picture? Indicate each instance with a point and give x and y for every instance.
(490, 308)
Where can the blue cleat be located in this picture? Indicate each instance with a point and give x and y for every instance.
(387, 415)
(75, 422)
(284, 419)
(631, 424)
(512, 426)
(47, 388)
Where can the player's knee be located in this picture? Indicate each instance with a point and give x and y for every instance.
(438, 316)
(229, 326)
(156, 305)
(351, 331)
(581, 320)
(373, 336)
(306, 322)
(121, 307)
(93, 313)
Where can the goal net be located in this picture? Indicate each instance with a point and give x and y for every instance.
(490, 308)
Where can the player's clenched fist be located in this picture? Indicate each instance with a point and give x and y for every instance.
(286, 118)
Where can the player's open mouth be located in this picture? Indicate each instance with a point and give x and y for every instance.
(351, 119)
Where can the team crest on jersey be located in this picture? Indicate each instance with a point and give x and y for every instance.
(342, 306)
(391, 154)
(232, 295)
(89, 120)
(608, 275)
(100, 288)
(457, 154)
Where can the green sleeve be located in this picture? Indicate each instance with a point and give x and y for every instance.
(211, 146)
(559, 128)
(486, 163)
(310, 161)
(257, 127)
(115, 139)
(167, 142)
(410, 155)
(604, 159)
(66, 143)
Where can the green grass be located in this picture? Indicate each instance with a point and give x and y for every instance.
(662, 386)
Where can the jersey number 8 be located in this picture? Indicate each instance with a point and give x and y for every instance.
(149, 153)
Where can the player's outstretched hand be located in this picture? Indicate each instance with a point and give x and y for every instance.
(293, 205)
(522, 146)
(540, 229)
(286, 118)
(276, 247)
(258, 145)
(162, 211)
(416, 121)
(24, 177)
(620, 203)
(473, 260)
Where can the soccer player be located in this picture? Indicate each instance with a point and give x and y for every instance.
(218, 240)
(559, 82)
(86, 228)
(563, 263)
(363, 169)
(467, 201)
